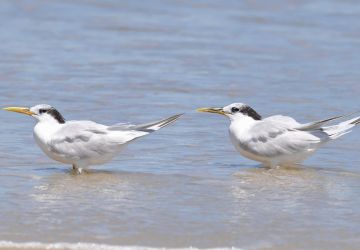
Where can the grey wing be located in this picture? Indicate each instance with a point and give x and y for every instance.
(317, 124)
(79, 140)
(285, 120)
(271, 139)
(292, 123)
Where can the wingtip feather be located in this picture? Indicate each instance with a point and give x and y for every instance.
(169, 120)
(356, 122)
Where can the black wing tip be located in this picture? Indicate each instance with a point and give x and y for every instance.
(170, 120)
(330, 119)
(174, 117)
(356, 122)
(177, 116)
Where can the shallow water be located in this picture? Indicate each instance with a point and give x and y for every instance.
(185, 186)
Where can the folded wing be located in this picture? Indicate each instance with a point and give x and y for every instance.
(273, 139)
(78, 140)
(85, 139)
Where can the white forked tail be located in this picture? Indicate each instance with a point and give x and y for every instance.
(342, 128)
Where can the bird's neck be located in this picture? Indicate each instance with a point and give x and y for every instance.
(244, 120)
(45, 129)
(241, 125)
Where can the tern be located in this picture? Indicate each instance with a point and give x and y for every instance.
(83, 143)
(278, 140)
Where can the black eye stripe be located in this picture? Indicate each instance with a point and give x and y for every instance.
(246, 110)
(234, 109)
(56, 114)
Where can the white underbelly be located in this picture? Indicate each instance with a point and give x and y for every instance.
(245, 153)
(44, 147)
(84, 160)
(272, 161)
(280, 160)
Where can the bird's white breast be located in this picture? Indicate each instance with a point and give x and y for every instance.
(43, 132)
(239, 136)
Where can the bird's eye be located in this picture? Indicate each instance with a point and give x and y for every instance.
(234, 109)
(42, 111)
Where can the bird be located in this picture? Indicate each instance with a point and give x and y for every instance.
(278, 140)
(83, 143)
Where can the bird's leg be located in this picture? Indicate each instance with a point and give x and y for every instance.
(76, 169)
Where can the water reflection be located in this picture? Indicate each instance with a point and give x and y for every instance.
(291, 188)
(116, 186)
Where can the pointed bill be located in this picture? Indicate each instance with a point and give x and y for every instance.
(212, 110)
(21, 110)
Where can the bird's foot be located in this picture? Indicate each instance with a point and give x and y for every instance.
(76, 170)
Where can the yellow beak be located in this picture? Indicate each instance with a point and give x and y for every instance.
(22, 110)
(212, 110)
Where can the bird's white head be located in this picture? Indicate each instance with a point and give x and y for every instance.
(234, 111)
(41, 112)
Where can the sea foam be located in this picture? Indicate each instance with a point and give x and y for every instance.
(9, 245)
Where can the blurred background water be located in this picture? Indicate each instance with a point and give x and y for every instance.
(137, 61)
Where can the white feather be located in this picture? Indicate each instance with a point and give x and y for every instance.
(85, 143)
(280, 140)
